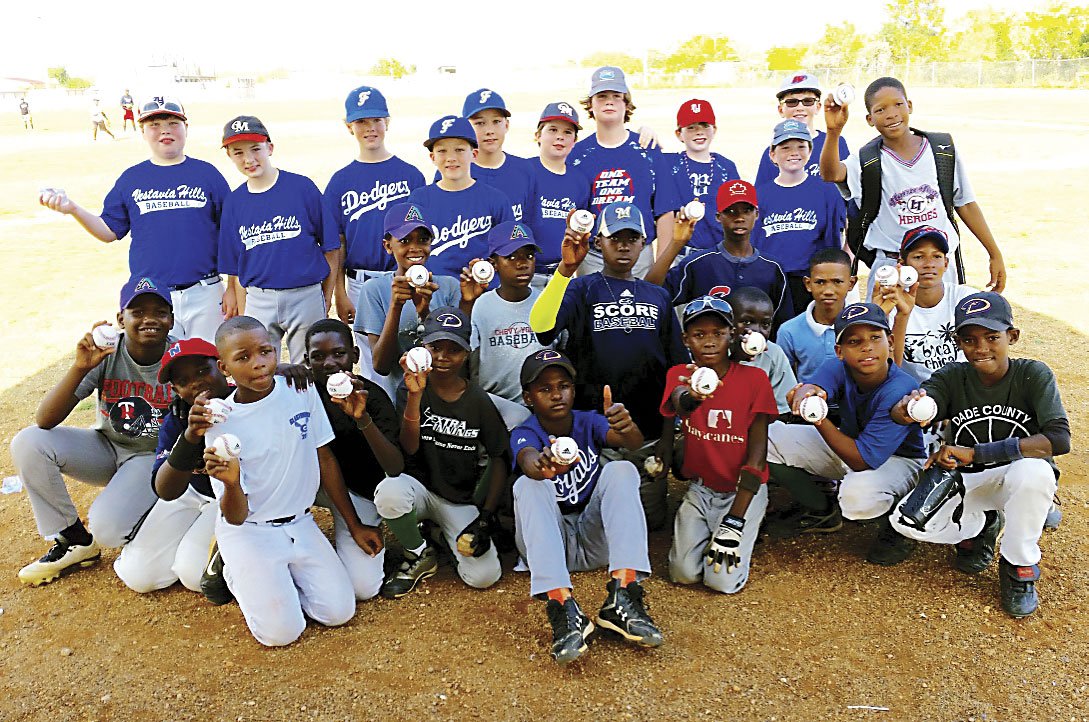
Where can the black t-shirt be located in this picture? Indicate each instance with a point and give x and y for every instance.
(358, 464)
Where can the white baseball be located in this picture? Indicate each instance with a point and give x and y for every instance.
(653, 465)
(922, 409)
(219, 409)
(483, 272)
(418, 276)
(105, 336)
(695, 210)
(45, 195)
(227, 447)
(754, 343)
(887, 276)
(565, 450)
(908, 277)
(339, 385)
(844, 94)
(704, 381)
(813, 409)
(581, 221)
(418, 359)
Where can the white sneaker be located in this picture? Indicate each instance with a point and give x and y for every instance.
(62, 558)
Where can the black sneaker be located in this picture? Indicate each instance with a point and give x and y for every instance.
(1017, 586)
(805, 521)
(570, 630)
(623, 613)
(890, 547)
(212, 584)
(412, 570)
(976, 554)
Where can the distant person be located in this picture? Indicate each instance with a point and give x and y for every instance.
(126, 112)
(99, 121)
(24, 111)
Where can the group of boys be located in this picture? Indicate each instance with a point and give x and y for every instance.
(499, 341)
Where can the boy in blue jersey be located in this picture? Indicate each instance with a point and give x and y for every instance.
(731, 264)
(800, 99)
(875, 457)
(461, 209)
(490, 119)
(697, 171)
(799, 213)
(808, 339)
(171, 204)
(557, 188)
(276, 239)
(620, 169)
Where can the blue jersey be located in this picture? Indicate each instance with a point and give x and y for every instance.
(460, 221)
(768, 171)
(588, 429)
(173, 213)
(797, 222)
(553, 197)
(357, 197)
(513, 178)
(864, 416)
(170, 428)
(277, 239)
(694, 179)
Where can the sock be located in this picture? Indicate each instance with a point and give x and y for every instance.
(419, 550)
(407, 530)
(626, 576)
(802, 485)
(77, 534)
(560, 595)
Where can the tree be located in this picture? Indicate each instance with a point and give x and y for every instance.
(914, 30)
(628, 63)
(392, 67)
(987, 35)
(1058, 32)
(697, 50)
(841, 46)
(59, 74)
(786, 57)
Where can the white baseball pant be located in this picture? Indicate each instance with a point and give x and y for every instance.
(365, 571)
(198, 310)
(287, 313)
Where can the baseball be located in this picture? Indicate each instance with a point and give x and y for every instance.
(219, 409)
(483, 272)
(922, 409)
(105, 336)
(339, 385)
(653, 465)
(47, 194)
(754, 343)
(565, 450)
(695, 210)
(887, 276)
(813, 409)
(418, 276)
(908, 277)
(844, 94)
(581, 221)
(418, 359)
(704, 381)
(227, 447)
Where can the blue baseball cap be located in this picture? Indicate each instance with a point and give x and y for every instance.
(790, 130)
(986, 309)
(450, 126)
(858, 314)
(925, 233)
(138, 286)
(402, 219)
(620, 215)
(365, 102)
(483, 99)
(560, 111)
(608, 77)
(506, 238)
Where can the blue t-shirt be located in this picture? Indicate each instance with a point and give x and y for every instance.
(624, 334)
(804, 348)
(588, 429)
(460, 221)
(513, 178)
(357, 197)
(173, 213)
(865, 416)
(694, 179)
(626, 173)
(769, 171)
(277, 239)
(553, 197)
(170, 428)
(797, 222)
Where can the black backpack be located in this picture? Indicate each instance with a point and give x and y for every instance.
(945, 155)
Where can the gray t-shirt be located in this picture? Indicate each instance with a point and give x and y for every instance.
(501, 341)
(131, 401)
(776, 365)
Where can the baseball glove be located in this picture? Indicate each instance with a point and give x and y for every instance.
(476, 539)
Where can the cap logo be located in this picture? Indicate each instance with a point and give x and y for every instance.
(145, 284)
(240, 126)
(623, 213)
(606, 75)
(158, 100)
(797, 79)
(696, 107)
(547, 355)
(719, 291)
(518, 232)
(852, 312)
(790, 125)
(738, 189)
(975, 305)
(446, 125)
(363, 95)
(484, 95)
(413, 215)
(448, 320)
(565, 109)
(175, 349)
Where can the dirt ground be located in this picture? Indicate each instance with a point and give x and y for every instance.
(817, 634)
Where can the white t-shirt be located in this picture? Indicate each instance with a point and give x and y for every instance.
(909, 197)
(930, 341)
(280, 436)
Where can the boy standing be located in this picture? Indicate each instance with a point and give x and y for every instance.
(24, 113)
(490, 119)
(800, 99)
(99, 121)
(127, 105)
(808, 339)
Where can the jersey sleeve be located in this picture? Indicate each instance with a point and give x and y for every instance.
(938, 387)
(92, 381)
(836, 211)
(763, 401)
(674, 282)
(325, 224)
(564, 314)
(218, 196)
(1043, 390)
(115, 214)
(524, 437)
(781, 378)
(785, 340)
(830, 376)
(169, 431)
(229, 244)
(784, 306)
(853, 191)
(667, 194)
(330, 203)
(370, 314)
(765, 170)
(882, 436)
(319, 427)
(673, 377)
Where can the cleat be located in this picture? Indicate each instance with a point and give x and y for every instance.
(413, 569)
(976, 554)
(1017, 587)
(570, 630)
(890, 547)
(806, 521)
(62, 558)
(623, 613)
(212, 583)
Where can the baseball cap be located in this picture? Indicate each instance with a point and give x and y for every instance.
(483, 99)
(857, 314)
(138, 286)
(737, 191)
(535, 365)
(161, 105)
(244, 127)
(506, 238)
(620, 215)
(790, 130)
(799, 81)
(365, 102)
(707, 304)
(608, 77)
(447, 324)
(450, 126)
(402, 219)
(560, 111)
(986, 309)
(181, 349)
(695, 111)
(925, 233)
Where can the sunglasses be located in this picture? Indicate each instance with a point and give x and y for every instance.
(159, 104)
(708, 303)
(807, 102)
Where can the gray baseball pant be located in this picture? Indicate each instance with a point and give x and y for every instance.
(287, 312)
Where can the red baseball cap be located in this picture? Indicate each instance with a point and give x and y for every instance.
(737, 191)
(181, 349)
(695, 111)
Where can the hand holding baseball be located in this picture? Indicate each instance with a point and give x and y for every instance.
(421, 297)
(835, 115)
(415, 381)
(200, 418)
(355, 403)
(226, 471)
(88, 354)
(401, 291)
(799, 392)
(683, 227)
(57, 200)
(573, 249)
(471, 288)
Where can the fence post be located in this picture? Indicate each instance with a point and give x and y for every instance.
(1033, 83)
(979, 79)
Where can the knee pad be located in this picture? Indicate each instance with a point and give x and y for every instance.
(935, 488)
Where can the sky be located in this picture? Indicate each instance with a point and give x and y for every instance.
(89, 38)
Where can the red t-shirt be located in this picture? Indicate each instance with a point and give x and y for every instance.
(717, 433)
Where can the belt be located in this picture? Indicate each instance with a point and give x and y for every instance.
(209, 280)
(281, 521)
(894, 255)
(358, 274)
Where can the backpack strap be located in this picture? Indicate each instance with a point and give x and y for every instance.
(945, 162)
(869, 159)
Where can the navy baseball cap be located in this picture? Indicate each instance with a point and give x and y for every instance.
(607, 78)
(707, 304)
(620, 215)
(790, 130)
(506, 238)
(365, 102)
(161, 105)
(483, 99)
(245, 127)
(447, 324)
(986, 309)
(798, 82)
(402, 219)
(535, 365)
(859, 314)
(560, 111)
(925, 233)
(138, 286)
(450, 126)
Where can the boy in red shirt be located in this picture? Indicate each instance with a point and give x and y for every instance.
(726, 445)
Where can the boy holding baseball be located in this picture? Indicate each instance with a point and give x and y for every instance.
(752, 314)
(808, 339)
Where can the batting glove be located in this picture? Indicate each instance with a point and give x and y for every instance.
(725, 546)
(476, 539)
